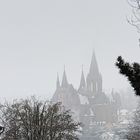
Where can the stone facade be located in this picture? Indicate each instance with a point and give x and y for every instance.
(89, 103)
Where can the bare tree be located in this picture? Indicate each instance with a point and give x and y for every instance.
(135, 17)
(31, 119)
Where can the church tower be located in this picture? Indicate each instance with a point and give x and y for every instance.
(64, 80)
(57, 82)
(82, 87)
(94, 78)
(82, 82)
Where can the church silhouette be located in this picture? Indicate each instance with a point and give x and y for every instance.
(89, 103)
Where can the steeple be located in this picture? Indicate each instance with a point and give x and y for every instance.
(57, 82)
(64, 79)
(93, 66)
(82, 82)
(94, 79)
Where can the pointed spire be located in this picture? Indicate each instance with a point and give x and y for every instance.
(64, 80)
(57, 82)
(94, 65)
(82, 82)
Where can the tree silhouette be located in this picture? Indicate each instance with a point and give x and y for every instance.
(32, 119)
(131, 71)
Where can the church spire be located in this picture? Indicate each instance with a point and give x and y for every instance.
(93, 65)
(64, 79)
(94, 79)
(57, 82)
(82, 82)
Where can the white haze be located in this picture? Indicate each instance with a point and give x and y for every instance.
(39, 37)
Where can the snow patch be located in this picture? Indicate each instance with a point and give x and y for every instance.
(83, 99)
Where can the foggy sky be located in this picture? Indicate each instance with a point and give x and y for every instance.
(39, 37)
